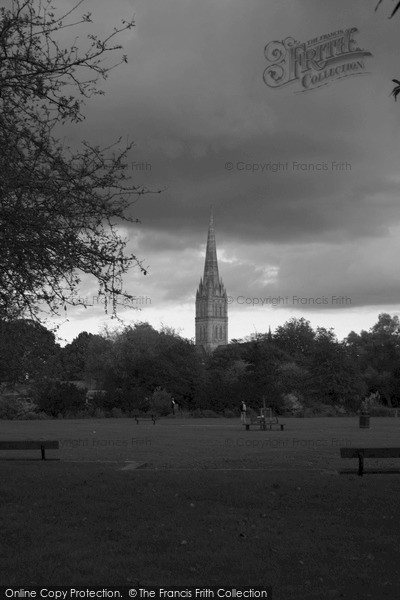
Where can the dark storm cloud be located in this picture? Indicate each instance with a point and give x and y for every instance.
(193, 99)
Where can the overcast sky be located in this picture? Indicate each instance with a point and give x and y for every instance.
(193, 99)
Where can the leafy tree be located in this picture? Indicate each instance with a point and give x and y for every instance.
(386, 326)
(75, 355)
(377, 353)
(59, 208)
(335, 378)
(28, 351)
(296, 337)
(98, 360)
(294, 379)
(148, 359)
(262, 376)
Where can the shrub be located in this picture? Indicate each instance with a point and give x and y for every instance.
(307, 413)
(327, 410)
(35, 416)
(370, 402)
(197, 414)
(210, 414)
(204, 414)
(95, 399)
(82, 414)
(68, 415)
(160, 402)
(13, 406)
(229, 414)
(99, 413)
(8, 408)
(381, 411)
(185, 414)
(116, 413)
(56, 397)
(292, 404)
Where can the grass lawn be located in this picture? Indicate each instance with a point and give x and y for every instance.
(215, 505)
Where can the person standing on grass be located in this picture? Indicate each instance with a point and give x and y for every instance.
(243, 409)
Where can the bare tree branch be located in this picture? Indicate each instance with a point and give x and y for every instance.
(59, 209)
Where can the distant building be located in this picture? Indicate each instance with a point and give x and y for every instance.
(211, 301)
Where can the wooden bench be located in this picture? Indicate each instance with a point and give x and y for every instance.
(41, 445)
(263, 423)
(269, 426)
(362, 453)
(145, 418)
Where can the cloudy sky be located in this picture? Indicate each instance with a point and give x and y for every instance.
(321, 227)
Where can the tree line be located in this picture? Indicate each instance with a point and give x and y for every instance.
(296, 369)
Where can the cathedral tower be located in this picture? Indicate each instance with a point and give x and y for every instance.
(211, 301)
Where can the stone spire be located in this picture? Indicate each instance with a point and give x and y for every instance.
(211, 276)
(211, 300)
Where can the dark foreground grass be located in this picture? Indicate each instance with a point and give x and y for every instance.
(215, 506)
(307, 534)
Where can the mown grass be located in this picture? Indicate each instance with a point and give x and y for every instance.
(295, 525)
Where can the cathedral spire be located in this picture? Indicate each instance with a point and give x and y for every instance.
(211, 300)
(211, 277)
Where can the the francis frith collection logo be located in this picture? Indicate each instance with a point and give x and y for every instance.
(315, 63)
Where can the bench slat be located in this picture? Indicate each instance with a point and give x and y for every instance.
(153, 418)
(265, 427)
(370, 452)
(28, 444)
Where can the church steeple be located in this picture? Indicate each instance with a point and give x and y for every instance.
(211, 300)
(211, 276)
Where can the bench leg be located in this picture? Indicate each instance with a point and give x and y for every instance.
(247, 427)
(42, 449)
(282, 426)
(360, 464)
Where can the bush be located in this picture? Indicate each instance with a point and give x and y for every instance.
(185, 414)
(68, 415)
(340, 411)
(105, 400)
(99, 413)
(161, 402)
(327, 410)
(116, 413)
(56, 397)
(81, 414)
(9, 408)
(197, 414)
(292, 404)
(204, 414)
(13, 406)
(35, 416)
(229, 414)
(381, 411)
(210, 414)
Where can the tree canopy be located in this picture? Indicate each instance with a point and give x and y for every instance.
(297, 368)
